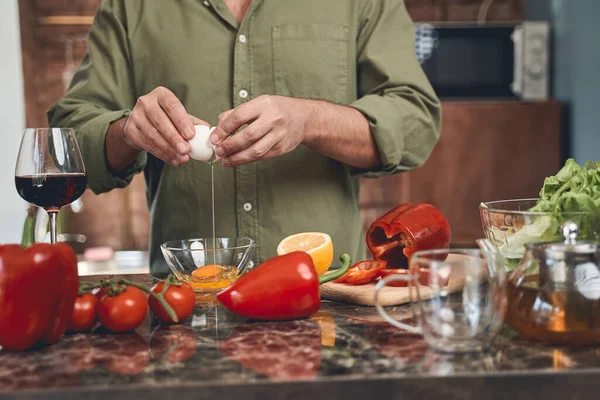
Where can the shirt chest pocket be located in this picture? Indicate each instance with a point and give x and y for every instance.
(311, 61)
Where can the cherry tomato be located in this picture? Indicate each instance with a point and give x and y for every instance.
(362, 272)
(425, 277)
(123, 312)
(98, 292)
(180, 297)
(84, 313)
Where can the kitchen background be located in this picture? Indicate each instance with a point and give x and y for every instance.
(490, 149)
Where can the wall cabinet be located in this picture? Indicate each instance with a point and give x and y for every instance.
(487, 151)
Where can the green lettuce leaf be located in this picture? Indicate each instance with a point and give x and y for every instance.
(576, 189)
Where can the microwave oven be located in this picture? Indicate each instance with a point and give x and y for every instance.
(491, 61)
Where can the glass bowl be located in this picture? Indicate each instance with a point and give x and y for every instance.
(207, 264)
(509, 225)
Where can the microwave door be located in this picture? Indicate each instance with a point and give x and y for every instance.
(468, 62)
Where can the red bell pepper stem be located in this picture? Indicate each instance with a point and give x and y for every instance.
(346, 260)
(28, 236)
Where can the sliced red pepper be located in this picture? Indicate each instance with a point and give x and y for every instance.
(408, 228)
(38, 288)
(362, 272)
(282, 288)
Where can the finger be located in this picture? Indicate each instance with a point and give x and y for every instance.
(244, 138)
(163, 124)
(254, 152)
(219, 133)
(153, 142)
(232, 120)
(197, 121)
(176, 113)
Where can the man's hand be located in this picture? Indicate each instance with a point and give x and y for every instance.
(159, 124)
(276, 126)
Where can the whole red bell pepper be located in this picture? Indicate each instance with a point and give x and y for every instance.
(285, 287)
(406, 229)
(38, 288)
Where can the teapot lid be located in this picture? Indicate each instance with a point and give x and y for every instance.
(569, 265)
(570, 245)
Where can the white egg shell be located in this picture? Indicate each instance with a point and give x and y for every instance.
(198, 256)
(201, 148)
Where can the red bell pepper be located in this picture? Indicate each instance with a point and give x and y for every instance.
(406, 229)
(38, 288)
(362, 272)
(282, 288)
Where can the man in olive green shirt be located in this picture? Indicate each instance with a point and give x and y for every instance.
(318, 94)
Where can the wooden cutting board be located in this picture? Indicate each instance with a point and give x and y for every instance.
(389, 296)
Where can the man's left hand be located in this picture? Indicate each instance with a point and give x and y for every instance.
(276, 125)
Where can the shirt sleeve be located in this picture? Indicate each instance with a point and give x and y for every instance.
(395, 96)
(100, 93)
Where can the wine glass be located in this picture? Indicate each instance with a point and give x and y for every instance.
(50, 172)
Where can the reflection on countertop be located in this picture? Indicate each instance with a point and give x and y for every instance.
(213, 348)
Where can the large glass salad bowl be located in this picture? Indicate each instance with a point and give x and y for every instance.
(510, 225)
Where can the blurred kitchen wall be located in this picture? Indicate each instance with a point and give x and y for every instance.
(576, 69)
(12, 117)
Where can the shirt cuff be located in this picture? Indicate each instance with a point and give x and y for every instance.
(92, 137)
(386, 128)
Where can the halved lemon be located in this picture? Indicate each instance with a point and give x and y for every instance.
(318, 245)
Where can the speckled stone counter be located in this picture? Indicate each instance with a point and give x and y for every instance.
(343, 352)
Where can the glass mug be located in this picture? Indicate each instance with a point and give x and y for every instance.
(457, 296)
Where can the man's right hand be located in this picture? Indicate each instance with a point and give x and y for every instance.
(160, 124)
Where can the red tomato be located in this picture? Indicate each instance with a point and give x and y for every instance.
(98, 292)
(123, 312)
(180, 297)
(84, 313)
(362, 272)
(425, 277)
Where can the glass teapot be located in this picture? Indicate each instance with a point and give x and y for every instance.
(554, 293)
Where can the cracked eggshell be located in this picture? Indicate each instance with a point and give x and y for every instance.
(201, 148)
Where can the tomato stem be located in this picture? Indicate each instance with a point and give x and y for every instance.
(158, 297)
(85, 287)
(346, 260)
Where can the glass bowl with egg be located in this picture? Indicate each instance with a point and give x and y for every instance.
(207, 264)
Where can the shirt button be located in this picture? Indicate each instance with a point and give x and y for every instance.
(247, 207)
(206, 3)
(242, 38)
(250, 264)
(243, 94)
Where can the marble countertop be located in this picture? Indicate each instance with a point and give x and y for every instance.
(344, 351)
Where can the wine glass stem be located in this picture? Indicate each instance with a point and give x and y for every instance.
(52, 215)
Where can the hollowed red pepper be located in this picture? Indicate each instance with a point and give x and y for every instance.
(282, 288)
(38, 288)
(406, 229)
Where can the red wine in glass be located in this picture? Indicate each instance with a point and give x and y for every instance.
(50, 172)
(51, 191)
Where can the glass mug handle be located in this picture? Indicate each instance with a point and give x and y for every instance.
(380, 285)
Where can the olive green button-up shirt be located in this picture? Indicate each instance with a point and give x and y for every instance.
(358, 53)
